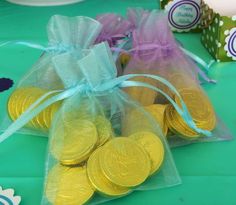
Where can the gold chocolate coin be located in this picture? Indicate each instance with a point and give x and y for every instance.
(28, 101)
(124, 162)
(48, 114)
(76, 140)
(26, 93)
(66, 185)
(153, 146)
(199, 107)
(124, 59)
(177, 125)
(12, 104)
(22, 98)
(158, 112)
(104, 130)
(144, 96)
(98, 179)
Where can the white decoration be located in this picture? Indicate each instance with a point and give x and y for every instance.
(230, 46)
(226, 32)
(221, 23)
(234, 18)
(184, 15)
(223, 7)
(7, 196)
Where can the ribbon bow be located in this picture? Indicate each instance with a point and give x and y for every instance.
(102, 55)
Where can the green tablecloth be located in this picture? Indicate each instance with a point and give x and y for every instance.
(208, 170)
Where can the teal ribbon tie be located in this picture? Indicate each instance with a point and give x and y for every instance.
(120, 82)
(205, 66)
(99, 71)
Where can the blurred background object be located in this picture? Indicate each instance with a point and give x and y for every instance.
(44, 2)
(224, 8)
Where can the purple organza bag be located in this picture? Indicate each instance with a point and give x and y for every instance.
(136, 15)
(155, 51)
(115, 28)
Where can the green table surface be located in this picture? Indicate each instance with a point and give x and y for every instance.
(208, 170)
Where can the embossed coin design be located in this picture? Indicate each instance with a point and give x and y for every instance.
(98, 179)
(153, 146)
(66, 185)
(199, 107)
(78, 140)
(124, 162)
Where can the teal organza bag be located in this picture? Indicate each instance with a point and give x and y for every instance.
(102, 144)
(65, 35)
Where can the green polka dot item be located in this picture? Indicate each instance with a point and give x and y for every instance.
(219, 34)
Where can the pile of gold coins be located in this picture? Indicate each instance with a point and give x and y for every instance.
(21, 99)
(199, 107)
(91, 160)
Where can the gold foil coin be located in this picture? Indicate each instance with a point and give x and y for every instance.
(104, 129)
(98, 179)
(158, 112)
(199, 107)
(177, 125)
(13, 99)
(22, 98)
(124, 59)
(68, 186)
(153, 146)
(74, 141)
(124, 162)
